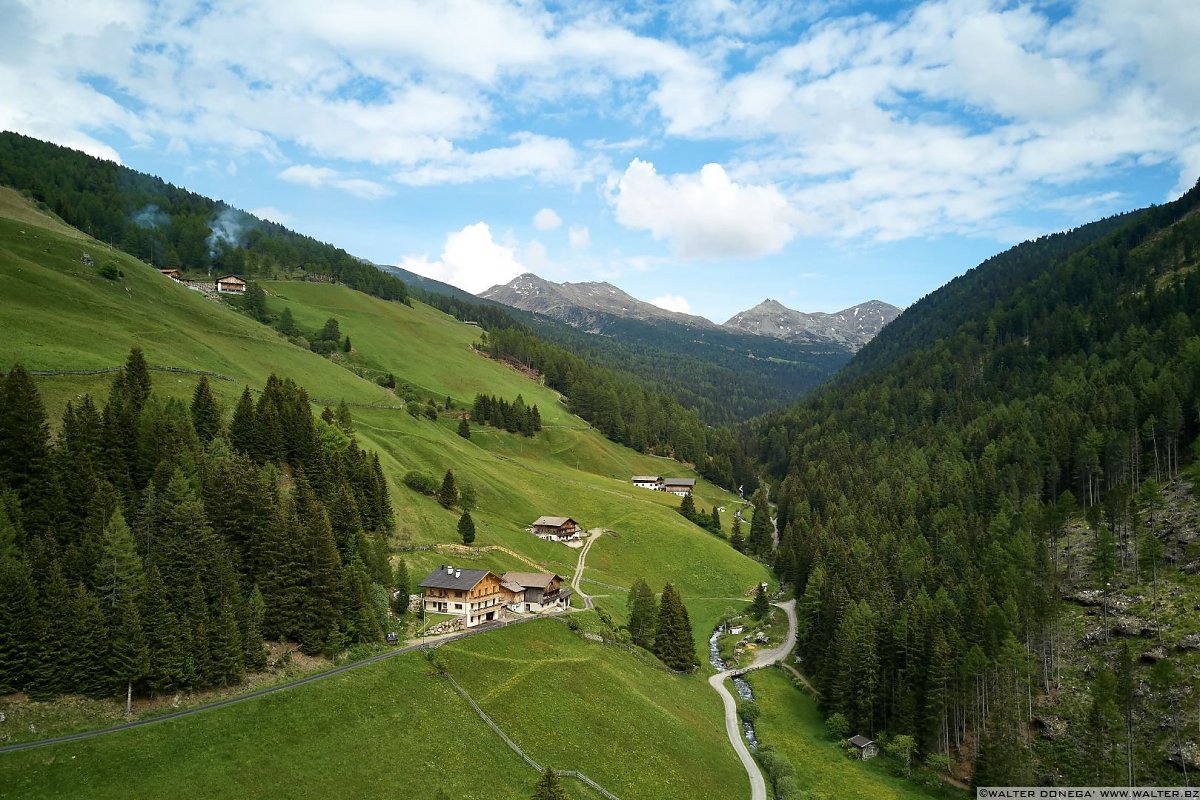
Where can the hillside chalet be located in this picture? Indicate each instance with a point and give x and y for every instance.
(676, 486)
(231, 284)
(173, 274)
(556, 529)
(535, 591)
(473, 594)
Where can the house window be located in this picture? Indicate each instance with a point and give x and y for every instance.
(458, 606)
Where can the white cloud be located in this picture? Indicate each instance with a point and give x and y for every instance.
(704, 215)
(271, 214)
(550, 160)
(470, 260)
(535, 257)
(547, 220)
(318, 177)
(673, 302)
(579, 237)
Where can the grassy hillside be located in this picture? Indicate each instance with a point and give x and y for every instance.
(394, 724)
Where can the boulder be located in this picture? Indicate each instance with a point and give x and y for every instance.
(1189, 642)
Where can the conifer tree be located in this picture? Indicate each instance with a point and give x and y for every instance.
(464, 428)
(761, 532)
(548, 787)
(119, 576)
(287, 323)
(673, 641)
(448, 494)
(687, 506)
(16, 617)
(226, 645)
(402, 587)
(243, 425)
(254, 655)
(736, 540)
(466, 528)
(161, 629)
(643, 613)
(206, 414)
(715, 523)
(343, 418)
(197, 623)
(137, 381)
(86, 646)
(25, 447)
(128, 653)
(761, 607)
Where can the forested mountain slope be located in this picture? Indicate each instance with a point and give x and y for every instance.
(926, 502)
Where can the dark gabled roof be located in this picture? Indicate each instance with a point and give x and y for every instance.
(679, 481)
(463, 579)
(532, 580)
(860, 741)
(553, 522)
(646, 478)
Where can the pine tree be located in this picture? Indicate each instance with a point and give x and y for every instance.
(25, 447)
(137, 380)
(464, 428)
(448, 494)
(346, 346)
(548, 787)
(466, 528)
(330, 332)
(86, 646)
(254, 655)
(402, 586)
(225, 642)
(715, 523)
(287, 323)
(761, 532)
(643, 613)
(761, 607)
(687, 507)
(343, 418)
(206, 414)
(16, 618)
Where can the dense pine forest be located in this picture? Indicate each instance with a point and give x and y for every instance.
(925, 502)
(149, 545)
(171, 227)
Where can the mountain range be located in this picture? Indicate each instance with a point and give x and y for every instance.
(595, 307)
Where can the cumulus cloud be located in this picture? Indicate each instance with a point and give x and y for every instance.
(704, 215)
(579, 237)
(549, 159)
(471, 260)
(547, 220)
(673, 302)
(318, 177)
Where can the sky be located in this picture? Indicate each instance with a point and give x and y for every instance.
(701, 155)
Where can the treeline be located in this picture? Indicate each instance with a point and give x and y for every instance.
(514, 417)
(921, 505)
(151, 546)
(662, 626)
(171, 227)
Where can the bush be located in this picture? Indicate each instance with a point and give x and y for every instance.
(748, 710)
(421, 482)
(323, 347)
(838, 727)
(111, 273)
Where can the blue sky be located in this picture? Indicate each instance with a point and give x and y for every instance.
(701, 155)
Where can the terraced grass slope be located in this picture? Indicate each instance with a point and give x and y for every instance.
(366, 728)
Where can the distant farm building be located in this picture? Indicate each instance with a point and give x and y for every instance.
(231, 284)
(676, 486)
(555, 528)
(473, 594)
(535, 591)
(865, 747)
(173, 274)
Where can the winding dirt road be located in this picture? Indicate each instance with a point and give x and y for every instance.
(758, 786)
(595, 534)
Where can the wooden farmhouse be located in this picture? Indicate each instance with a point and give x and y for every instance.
(535, 591)
(173, 274)
(474, 594)
(648, 482)
(231, 284)
(679, 486)
(865, 747)
(556, 529)
(676, 486)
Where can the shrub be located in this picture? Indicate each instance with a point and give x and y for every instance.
(110, 272)
(421, 482)
(748, 710)
(837, 726)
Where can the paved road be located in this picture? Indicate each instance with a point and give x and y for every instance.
(228, 701)
(733, 727)
(581, 565)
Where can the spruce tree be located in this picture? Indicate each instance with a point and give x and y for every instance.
(464, 428)
(225, 642)
(206, 414)
(736, 540)
(761, 607)
(128, 653)
(687, 507)
(86, 646)
(25, 447)
(643, 611)
(715, 523)
(673, 641)
(287, 323)
(343, 418)
(466, 528)
(448, 494)
(137, 380)
(243, 425)
(548, 787)
(254, 655)
(119, 577)
(402, 587)
(16, 619)
(161, 629)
